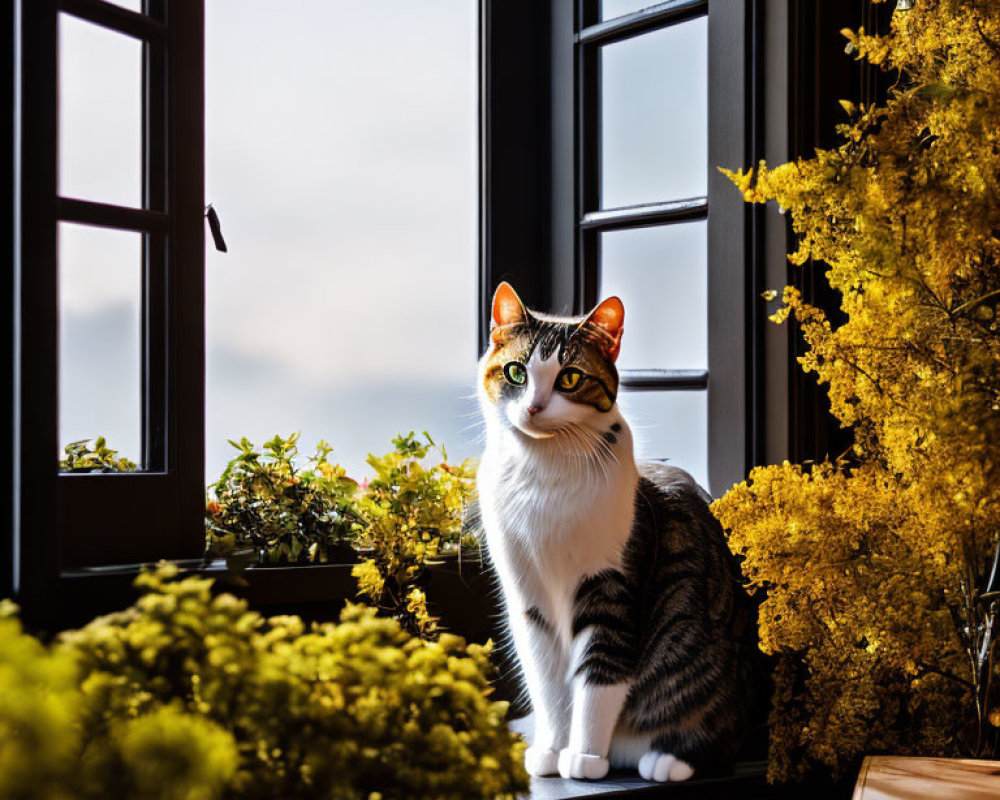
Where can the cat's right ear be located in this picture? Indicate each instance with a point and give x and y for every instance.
(507, 307)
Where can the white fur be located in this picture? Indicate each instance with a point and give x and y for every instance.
(662, 767)
(557, 505)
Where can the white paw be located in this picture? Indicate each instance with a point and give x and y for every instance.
(541, 761)
(663, 767)
(582, 765)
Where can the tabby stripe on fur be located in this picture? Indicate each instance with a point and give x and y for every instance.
(535, 616)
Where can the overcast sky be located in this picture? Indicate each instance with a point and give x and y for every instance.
(341, 155)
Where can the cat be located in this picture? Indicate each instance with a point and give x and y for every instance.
(626, 610)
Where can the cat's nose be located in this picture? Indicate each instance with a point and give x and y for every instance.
(532, 410)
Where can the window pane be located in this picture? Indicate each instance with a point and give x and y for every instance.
(100, 337)
(342, 160)
(661, 275)
(654, 116)
(100, 114)
(131, 5)
(619, 8)
(671, 426)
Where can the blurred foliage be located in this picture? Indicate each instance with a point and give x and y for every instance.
(414, 513)
(190, 695)
(265, 509)
(878, 567)
(59, 742)
(80, 457)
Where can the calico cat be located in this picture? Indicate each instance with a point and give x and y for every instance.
(626, 610)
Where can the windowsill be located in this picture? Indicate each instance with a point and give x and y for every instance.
(460, 591)
(746, 781)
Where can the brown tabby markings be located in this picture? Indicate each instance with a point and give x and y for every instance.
(578, 344)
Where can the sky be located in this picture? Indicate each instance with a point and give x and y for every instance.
(341, 156)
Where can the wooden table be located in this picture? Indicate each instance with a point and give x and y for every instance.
(899, 778)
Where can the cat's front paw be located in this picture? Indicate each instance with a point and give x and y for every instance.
(541, 761)
(663, 767)
(582, 765)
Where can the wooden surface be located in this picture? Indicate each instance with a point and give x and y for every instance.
(898, 778)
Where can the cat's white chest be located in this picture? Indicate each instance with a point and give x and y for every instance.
(550, 523)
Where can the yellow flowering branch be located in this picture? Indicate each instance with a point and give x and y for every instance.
(881, 593)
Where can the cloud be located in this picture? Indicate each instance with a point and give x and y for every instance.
(341, 155)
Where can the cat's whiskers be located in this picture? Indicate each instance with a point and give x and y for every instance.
(591, 450)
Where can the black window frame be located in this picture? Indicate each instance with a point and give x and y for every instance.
(724, 39)
(538, 226)
(61, 522)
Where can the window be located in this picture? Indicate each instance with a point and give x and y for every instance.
(100, 85)
(116, 255)
(652, 98)
(559, 217)
(643, 147)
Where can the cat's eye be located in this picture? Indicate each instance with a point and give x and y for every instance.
(515, 373)
(569, 379)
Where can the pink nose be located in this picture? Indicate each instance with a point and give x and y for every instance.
(534, 410)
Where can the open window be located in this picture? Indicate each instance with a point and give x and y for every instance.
(130, 241)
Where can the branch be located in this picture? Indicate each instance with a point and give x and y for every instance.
(993, 45)
(973, 303)
(926, 668)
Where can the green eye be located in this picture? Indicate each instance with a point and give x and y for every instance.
(515, 373)
(569, 380)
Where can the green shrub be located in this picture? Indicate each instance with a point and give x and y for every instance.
(276, 513)
(80, 457)
(184, 693)
(413, 513)
(264, 509)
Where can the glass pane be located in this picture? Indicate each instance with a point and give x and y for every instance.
(619, 8)
(342, 159)
(654, 116)
(100, 337)
(670, 426)
(100, 114)
(661, 275)
(131, 5)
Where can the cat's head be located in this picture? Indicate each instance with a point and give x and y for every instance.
(544, 374)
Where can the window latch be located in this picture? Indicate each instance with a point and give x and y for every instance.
(216, 228)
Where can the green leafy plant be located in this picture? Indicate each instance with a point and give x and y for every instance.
(81, 457)
(265, 509)
(414, 513)
(188, 694)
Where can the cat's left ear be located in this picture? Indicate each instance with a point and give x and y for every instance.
(609, 318)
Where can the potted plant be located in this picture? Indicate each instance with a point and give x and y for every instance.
(267, 510)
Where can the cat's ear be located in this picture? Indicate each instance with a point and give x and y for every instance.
(609, 318)
(507, 307)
